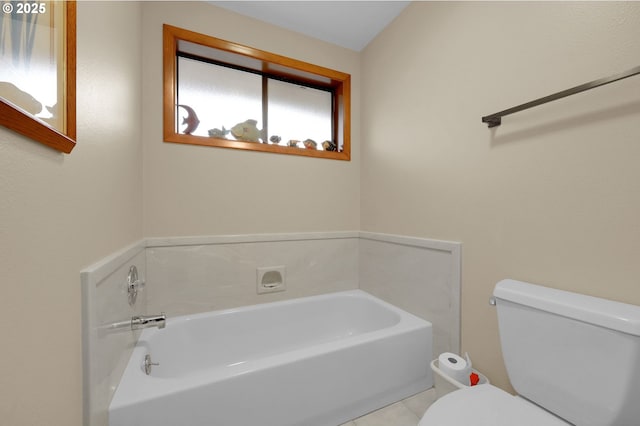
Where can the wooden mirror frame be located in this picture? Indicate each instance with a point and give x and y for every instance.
(20, 121)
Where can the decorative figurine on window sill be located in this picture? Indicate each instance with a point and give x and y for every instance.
(191, 120)
(310, 144)
(329, 146)
(275, 139)
(247, 131)
(217, 133)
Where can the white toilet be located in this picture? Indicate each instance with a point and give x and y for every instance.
(573, 359)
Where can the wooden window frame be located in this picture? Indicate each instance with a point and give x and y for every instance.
(263, 62)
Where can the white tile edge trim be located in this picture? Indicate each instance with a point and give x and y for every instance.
(130, 251)
(246, 238)
(455, 248)
(456, 299)
(411, 241)
(98, 271)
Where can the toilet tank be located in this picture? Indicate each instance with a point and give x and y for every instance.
(577, 356)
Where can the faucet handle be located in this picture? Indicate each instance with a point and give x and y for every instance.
(136, 285)
(133, 284)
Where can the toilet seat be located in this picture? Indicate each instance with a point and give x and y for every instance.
(486, 405)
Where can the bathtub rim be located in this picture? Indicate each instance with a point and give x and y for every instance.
(266, 305)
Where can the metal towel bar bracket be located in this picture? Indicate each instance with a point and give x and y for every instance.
(495, 119)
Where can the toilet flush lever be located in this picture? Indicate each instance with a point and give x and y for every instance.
(492, 301)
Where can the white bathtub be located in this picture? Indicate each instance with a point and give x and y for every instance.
(319, 360)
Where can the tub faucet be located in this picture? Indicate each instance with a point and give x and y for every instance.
(138, 322)
(147, 321)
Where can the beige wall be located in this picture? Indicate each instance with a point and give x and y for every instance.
(60, 213)
(553, 195)
(195, 190)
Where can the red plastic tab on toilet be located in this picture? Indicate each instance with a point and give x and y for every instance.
(474, 379)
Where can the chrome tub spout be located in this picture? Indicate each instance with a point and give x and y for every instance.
(137, 323)
(147, 321)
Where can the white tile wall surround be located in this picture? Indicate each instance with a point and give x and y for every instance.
(104, 301)
(211, 273)
(194, 274)
(419, 275)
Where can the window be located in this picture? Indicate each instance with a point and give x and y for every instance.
(223, 94)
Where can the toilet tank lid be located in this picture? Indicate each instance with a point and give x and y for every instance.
(618, 316)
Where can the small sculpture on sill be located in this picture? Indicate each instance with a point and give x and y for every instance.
(329, 146)
(217, 133)
(275, 139)
(191, 120)
(293, 143)
(310, 144)
(247, 131)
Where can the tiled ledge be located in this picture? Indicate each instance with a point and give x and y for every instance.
(246, 238)
(449, 246)
(299, 236)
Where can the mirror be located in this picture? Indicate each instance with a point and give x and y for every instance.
(37, 71)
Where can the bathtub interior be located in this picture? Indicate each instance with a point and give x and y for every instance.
(365, 355)
(237, 336)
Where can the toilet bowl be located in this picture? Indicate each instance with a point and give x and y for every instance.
(573, 359)
(486, 405)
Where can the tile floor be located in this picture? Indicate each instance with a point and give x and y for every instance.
(403, 413)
